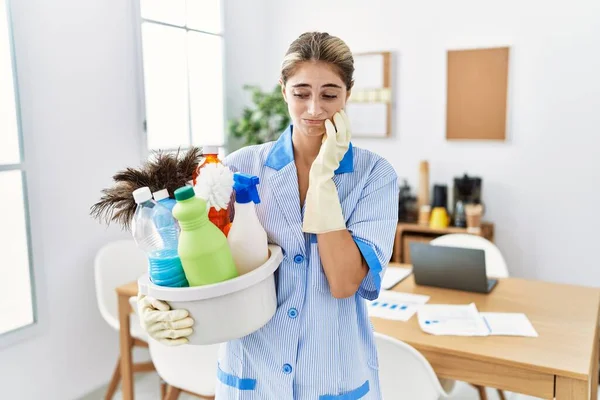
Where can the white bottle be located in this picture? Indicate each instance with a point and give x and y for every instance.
(247, 237)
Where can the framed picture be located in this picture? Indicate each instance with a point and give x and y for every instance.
(370, 104)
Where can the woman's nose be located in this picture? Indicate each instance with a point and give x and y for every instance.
(314, 107)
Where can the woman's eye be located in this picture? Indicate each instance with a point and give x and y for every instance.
(301, 95)
(330, 96)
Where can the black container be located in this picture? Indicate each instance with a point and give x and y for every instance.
(440, 196)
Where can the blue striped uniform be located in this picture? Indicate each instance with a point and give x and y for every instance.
(315, 346)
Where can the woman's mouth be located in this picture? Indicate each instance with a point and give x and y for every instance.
(313, 121)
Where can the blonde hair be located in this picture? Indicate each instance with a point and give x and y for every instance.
(319, 46)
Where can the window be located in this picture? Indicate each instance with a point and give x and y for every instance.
(182, 61)
(16, 294)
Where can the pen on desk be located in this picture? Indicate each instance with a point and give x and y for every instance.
(487, 324)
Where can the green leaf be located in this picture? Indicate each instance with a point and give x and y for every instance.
(264, 120)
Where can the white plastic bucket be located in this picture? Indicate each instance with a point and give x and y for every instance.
(225, 310)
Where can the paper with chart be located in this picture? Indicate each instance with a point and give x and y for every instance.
(394, 275)
(395, 305)
(509, 324)
(457, 320)
(465, 320)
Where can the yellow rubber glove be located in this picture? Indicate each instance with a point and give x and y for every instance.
(170, 327)
(323, 211)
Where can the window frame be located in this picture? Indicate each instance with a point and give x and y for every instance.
(141, 92)
(18, 334)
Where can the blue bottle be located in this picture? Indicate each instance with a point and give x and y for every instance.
(162, 196)
(156, 232)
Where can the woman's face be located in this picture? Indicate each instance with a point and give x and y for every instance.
(314, 93)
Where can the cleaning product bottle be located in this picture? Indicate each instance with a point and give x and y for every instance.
(155, 231)
(247, 237)
(211, 156)
(162, 196)
(218, 216)
(203, 248)
(163, 219)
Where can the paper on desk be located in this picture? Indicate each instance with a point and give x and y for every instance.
(457, 320)
(395, 305)
(394, 275)
(509, 324)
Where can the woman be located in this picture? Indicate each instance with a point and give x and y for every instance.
(332, 208)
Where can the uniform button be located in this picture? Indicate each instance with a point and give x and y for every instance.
(292, 313)
(298, 258)
(287, 369)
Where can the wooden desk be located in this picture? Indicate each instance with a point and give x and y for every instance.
(124, 292)
(561, 362)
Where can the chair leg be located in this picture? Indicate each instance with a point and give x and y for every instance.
(482, 393)
(173, 393)
(501, 394)
(114, 381)
(163, 389)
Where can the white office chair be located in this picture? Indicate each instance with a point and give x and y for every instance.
(117, 263)
(188, 369)
(494, 262)
(404, 373)
(495, 266)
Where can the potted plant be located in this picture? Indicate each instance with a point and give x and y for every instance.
(264, 121)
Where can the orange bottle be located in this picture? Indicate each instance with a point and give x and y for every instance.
(211, 156)
(219, 218)
(226, 229)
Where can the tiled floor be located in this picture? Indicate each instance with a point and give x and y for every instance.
(147, 387)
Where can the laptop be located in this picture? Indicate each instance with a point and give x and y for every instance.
(450, 267)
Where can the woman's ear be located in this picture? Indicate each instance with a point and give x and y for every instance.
(349, 91)
(283, 90)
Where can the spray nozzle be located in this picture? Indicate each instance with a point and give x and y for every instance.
(245, 188)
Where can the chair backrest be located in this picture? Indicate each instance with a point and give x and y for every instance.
(116, 263)
(404, 373)
(494, 262)
(191, 368)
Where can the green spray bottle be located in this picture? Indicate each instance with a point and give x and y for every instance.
(203, 248)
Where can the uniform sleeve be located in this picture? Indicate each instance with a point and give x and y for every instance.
(229, 161)
(373, 225)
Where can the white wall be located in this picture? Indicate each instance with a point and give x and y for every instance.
(542, 186)
(246, 49)
(77, 85)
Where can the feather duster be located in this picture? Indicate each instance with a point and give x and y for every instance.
(162, 170)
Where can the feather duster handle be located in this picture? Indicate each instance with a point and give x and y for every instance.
(215, 184)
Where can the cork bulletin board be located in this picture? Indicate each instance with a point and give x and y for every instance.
(477, 94)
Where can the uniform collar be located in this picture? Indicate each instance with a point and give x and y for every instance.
(282, 153)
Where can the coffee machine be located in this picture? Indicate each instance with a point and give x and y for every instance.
(467, 190)
(407, 204)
